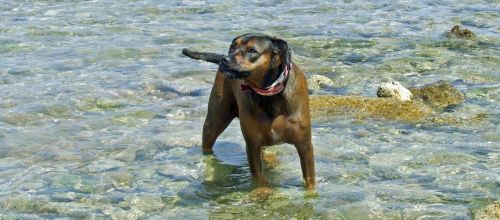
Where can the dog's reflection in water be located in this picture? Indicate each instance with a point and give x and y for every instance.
(226, 170)
(220, 174)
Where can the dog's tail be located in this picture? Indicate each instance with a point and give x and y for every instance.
(209, 57)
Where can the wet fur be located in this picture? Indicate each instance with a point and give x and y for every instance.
(264, 120)
(270, 104)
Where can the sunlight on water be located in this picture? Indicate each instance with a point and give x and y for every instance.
(101, 115)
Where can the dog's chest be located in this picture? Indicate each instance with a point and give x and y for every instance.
(276, 119)
(285, 129)
(270, 106)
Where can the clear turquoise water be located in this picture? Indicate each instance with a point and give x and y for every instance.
(100, 115)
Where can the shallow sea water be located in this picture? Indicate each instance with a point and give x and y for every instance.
(101, 115)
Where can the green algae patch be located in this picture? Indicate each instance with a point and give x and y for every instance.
(69, 182)
(40, 32)
(443, 158)
(364, 107)
(206, 9)
(26, 203)
(428, 100)
(458, 32)
(98, 104)
(452, 120)
(19, 119)
(133, 118)
(331, 43)
(261, 193)
(142, 114)
(397, 65)
(168, 40)
(150, 11)
(428, 52)
(107, 104)
(232, 197)
(262, 202)
(329, 47)
(491, 136)
(353, 176)
(441, 94)
(40, 205)
(142, 204)
(128, 53)
(56, 111)
(8, 104)
(124, 29)
(491, 211)
(14, 47)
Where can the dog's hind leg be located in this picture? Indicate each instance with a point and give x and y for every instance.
(221, 111)
(306, 155)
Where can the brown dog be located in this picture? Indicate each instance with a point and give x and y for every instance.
(258, 82)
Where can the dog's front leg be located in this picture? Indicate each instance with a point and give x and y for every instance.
(254, 155)
(306, 155)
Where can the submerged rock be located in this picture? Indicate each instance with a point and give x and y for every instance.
(261, 203)
(98, 104)
(68, 182)
(133, 118)
(441, 94)
(118, 213)
(414, 105)
(261, 193)
(104, 164)
(395, 90)
(362, 107)
(446, 119)
(143, 203)
(24, 203)
(121, 179)
(459, 32)
(19, 119)
(63, 197)
(56, 111)
(446, 158)
(491, 211)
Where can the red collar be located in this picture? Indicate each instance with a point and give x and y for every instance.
(274, 88)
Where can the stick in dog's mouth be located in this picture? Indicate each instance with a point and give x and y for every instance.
(208, 57)
(217, 59)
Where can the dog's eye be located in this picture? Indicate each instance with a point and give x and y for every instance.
(252, 51)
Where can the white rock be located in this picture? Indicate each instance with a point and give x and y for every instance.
(318, 81)
(394, 89)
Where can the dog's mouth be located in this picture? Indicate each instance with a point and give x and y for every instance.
(230, 73)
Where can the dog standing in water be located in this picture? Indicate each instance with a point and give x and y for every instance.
(258, 82)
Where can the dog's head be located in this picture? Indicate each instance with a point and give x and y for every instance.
(255, 57)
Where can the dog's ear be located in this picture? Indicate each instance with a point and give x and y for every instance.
(233, 43)
(281, 47)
